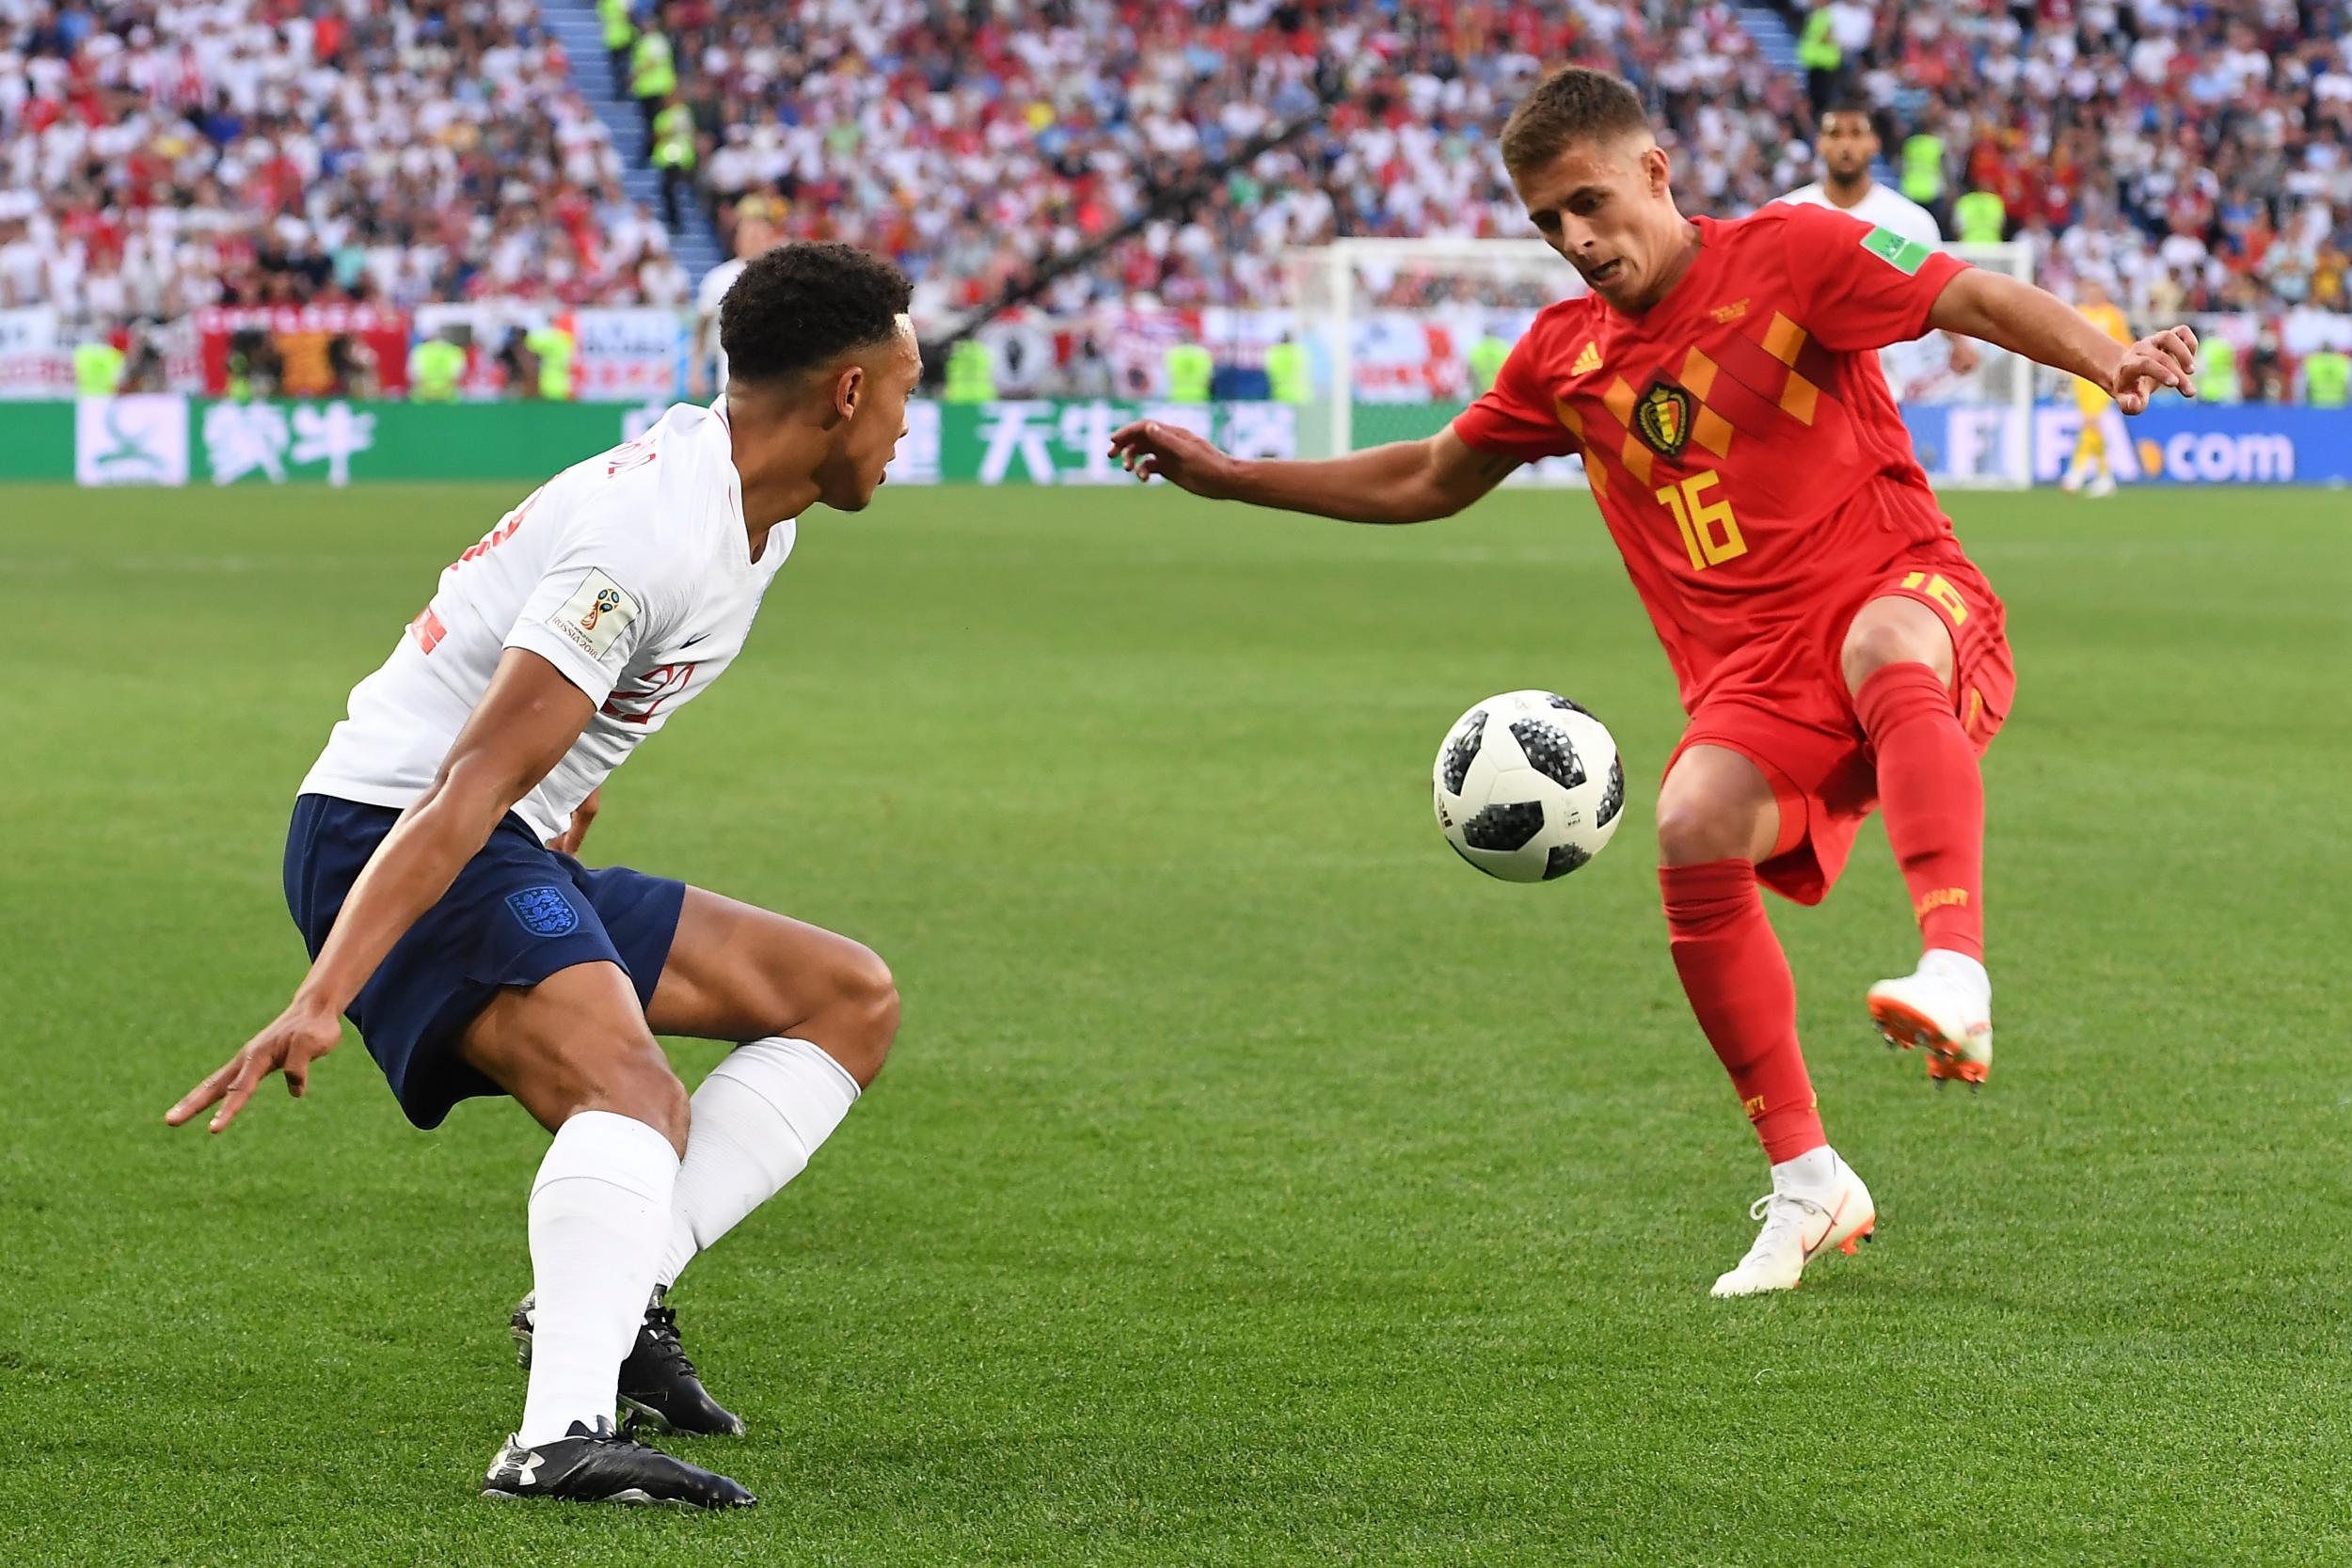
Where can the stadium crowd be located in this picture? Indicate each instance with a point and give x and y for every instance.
(2198, 155)
(158, 155)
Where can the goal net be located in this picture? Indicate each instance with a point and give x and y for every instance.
(1402, 334)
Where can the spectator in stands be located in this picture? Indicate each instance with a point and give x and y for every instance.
(1823, 53)
(618, 30)
(675, 153)
(652, 75)
(143, 369)
(437, 368)
(97, 365)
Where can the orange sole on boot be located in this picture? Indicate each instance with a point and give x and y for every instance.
(1904, 1026)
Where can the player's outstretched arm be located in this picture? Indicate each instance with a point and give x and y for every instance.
(1405, 481)
(522, 727)
(2047, 330)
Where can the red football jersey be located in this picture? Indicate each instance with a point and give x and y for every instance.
(1740, 440)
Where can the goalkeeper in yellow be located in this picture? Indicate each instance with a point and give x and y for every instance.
(2093, 472)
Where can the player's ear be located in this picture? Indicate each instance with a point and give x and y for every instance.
(848, 389)
(1657, 169)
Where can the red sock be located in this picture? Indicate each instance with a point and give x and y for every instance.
(1738, 981)
(1934, 798)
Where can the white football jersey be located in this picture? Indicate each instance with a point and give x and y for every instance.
(1908, 366)
(715, 284)
(630, 573)
(1880, 208)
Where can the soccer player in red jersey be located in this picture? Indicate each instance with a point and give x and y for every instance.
(1837, 651)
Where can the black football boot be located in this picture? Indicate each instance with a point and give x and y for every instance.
(599, 1466)
(658, 1386)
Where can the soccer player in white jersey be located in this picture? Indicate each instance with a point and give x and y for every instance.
(428, 868)
(706, 356)
(1847, 144)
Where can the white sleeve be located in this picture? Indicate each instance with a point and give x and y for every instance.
(712, 289)
(1930, 233)
(605, 595)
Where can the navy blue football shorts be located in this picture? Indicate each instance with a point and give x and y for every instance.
(517, 912)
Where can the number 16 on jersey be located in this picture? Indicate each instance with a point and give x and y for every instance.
(1708, 529)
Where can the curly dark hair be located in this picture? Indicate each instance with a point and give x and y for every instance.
(801, 305)
(1572, 105)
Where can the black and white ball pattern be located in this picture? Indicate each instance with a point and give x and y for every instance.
(1529, 787)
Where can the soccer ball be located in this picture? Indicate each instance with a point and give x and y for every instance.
(1529, 787)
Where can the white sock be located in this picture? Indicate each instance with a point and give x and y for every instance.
(1962, 971)
(1809, 1172)
(757, 1119)
(599, 1209)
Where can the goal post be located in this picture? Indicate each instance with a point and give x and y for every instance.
(1391, 326)
(1400, 334)
(1986, 417)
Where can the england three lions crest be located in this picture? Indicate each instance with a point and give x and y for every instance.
(1662, 418)
(543, 912)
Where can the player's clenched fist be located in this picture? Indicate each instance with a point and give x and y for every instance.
(297, 1038)
(1150, 447)
(2167, 359)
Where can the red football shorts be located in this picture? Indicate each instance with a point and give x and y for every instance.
(1782, 703)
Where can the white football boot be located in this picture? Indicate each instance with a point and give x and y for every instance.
(1944, 1007)
(2102, 485)
(2072, 480)
(1817, 1202)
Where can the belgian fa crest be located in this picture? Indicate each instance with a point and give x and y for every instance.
(1662, 418)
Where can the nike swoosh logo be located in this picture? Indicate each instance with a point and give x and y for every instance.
(702, 637)
(1815, 1245)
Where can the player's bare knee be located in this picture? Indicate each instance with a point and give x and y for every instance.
(1692, 830)
(632, 1078)
(1877, 641)
(863, 1015)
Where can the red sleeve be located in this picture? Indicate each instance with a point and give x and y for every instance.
(1861, 288)
(1515, 417)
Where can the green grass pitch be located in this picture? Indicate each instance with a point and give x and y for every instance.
(1253, 1182)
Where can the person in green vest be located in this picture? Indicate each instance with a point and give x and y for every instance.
(1922, 169)
(2327, 378)
(1286, 371)
(1190, 369)
(97, 368)
(970, 373)
(1486, 362)
(552, 347)
(620, 33)
(2217, 378)
(1819, 53)
(675, 154)
(652, 76)
(436, 368)
(1982, 217)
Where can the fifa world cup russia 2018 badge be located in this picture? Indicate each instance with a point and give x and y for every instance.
(1662, 418)
(593, 619)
